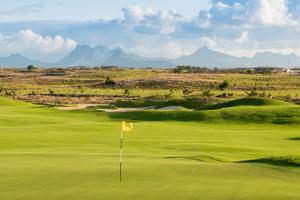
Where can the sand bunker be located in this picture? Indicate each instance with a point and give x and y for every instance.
(127, 109)
(83, 106)
(172, 108)
(77, 107)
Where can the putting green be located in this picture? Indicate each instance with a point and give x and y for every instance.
(242, 153)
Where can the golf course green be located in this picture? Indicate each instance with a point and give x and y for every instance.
(241, 150)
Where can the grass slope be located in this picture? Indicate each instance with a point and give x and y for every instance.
(247, 102)
(249, 110)
(11, 102)
(50, 154)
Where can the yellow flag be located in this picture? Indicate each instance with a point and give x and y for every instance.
(127, 126)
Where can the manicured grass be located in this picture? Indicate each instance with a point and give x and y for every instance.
(231, 153)
(247, 102)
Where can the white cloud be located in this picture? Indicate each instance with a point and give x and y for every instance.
(274, 12)
(133, 13)
(161, 48)
(29, 39)
(209, 42)
(31, 44)
(203, 19)
(148, 21)
(243, 37)
(222, 6)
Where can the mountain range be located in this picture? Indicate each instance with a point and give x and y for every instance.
(84, 55)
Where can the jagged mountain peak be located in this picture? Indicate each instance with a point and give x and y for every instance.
(84, 55)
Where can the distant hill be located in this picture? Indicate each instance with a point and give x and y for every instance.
(275, 60)
(100, 55)
(205, 57)
(17, 60)
(84, 55)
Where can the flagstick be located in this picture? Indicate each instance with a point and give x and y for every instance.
(121, 153)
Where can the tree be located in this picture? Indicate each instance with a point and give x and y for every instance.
(224, 85)
(30, 67)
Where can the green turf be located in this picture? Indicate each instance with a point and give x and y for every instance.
(247, 102)
(243, 153)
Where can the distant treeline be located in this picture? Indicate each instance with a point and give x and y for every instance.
(177, 69)
(194, 69)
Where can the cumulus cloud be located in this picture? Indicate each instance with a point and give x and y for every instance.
(263, 12)
(133, 14)
(30, 43)
(221, 6)
(30, 39)
(274, 12)
(149, 21)
(243, 38)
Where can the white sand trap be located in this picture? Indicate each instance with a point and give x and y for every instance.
(83, 106)
(171, 108)
(77, 107)
(127, 109)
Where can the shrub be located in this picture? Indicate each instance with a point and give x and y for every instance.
(224, 85)
(225, 95)
(186, 92)
(51, 92)
(252, 93)
(126, 92)
(207, 93)
(170, 94)
(81, 89)
(31, 67)
(109, 81)
(9, 93)
(288, 97)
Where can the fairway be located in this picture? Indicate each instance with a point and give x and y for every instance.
(238, 152)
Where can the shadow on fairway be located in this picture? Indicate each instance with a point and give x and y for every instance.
(200, 158)
(162, 116)
(294, 138)
(272, 115)
(277, 161)
(246, 102)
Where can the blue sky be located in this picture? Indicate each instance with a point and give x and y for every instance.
(90, 9)
(49, 30)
